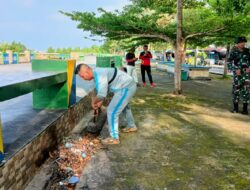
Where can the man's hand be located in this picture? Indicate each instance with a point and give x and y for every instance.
(238, 72)
(247, 70)
(135, 59)
(96, 103)
(99, 104)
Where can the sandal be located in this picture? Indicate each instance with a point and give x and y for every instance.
(110, 141)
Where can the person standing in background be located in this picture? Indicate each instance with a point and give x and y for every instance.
(145, 56)
(239, 63)
(131, 59)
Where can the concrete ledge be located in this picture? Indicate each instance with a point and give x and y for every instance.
(196, 73)
(17, 172)
(20, 88)
(193, 72)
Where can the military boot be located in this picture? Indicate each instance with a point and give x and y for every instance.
(245, 109)
(235, 108)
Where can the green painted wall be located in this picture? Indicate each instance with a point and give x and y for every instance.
(53, 97)
(49, 65)
(18, 89)
(105, 60)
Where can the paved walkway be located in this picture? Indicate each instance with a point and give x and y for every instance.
(187, 142)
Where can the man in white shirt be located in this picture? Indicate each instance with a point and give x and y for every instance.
(131, 59)
(123, 86)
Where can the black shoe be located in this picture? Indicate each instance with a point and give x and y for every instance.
(236, 108)
(245, 109)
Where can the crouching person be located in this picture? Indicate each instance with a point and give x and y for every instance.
(123, 87)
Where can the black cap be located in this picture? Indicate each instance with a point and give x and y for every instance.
(240, 39)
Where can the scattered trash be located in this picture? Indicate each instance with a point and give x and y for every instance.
(61, 183)
(96, 141)
(84, 155)
(70, 159)
(68, 145)
(68, 169)
(73, 180)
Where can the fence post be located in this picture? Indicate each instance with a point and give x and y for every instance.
(5, 58)
(1, 58)
(10, 53)
(1, 143)
(15, 58)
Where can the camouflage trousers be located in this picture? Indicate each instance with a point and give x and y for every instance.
(241, 89)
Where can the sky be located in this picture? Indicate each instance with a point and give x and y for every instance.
(38, 24)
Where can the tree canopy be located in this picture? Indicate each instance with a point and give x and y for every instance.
(155, 20)
(109, 46)
(176, 22)
(14, 46)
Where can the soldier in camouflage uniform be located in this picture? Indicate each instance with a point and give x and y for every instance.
(239, 63)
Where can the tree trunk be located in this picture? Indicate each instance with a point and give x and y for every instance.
(179, 49)
(195, 57)
(184, 52)
(225, 65)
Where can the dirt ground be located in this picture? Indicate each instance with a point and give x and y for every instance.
(185, 142)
